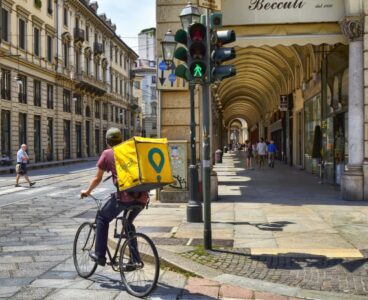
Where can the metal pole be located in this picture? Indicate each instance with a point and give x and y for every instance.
(194, 208)
(206, 148)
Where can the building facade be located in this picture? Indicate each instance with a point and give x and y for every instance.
(300, 82)
(65, 79)
(146, 70)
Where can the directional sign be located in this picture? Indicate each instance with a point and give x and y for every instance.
(167, 80)
(210, 4)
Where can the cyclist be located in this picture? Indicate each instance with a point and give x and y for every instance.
(118, 200)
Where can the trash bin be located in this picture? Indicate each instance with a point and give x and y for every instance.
(218, 156)
(225, 149)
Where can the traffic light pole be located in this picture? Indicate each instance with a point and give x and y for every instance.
(194, 207)
(206, 147)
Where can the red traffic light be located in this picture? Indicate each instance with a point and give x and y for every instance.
(197, 32)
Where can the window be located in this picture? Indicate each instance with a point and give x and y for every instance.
(87, 33)
(49, 6)
(112, 81)
(121, 87)
(96, 70)
(104, 116)
(22, 128)
(77, 61)
(153, 79)
(116, 115)
(121, 59)
(50, 96)
(154, 125)
(49, 48)
(111, 51)
(36, 92)
(22, 34)
(66, 55)
(125, 63)
(87, 57)
(5, 133)
(116, 55)
(66, 101)
(78, 104)
(112, 113)
(22, 88)
(36, 41)
(5, 25)
(116, 84)
(65, 16)
(104, 74)
(97, 110)
(154, 109)
(5, 84)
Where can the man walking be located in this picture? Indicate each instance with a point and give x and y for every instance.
(21, 167)
(271, 154)
(262, 151)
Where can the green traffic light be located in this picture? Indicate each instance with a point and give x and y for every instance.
(198, 71)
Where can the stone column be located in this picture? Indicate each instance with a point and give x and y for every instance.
(352, 186)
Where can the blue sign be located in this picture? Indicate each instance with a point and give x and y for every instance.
(162, 66)
(172, 77)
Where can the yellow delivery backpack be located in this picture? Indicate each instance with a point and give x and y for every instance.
(142, 164)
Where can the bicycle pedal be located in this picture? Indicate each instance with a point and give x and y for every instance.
(117, 236)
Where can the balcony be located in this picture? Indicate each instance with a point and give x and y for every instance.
(89, 84)
(79, 35)
(98, 48)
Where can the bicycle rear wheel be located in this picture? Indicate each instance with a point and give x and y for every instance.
(139, 265)
(84, 242)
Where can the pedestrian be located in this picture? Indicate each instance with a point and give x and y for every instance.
(248, 155)
(254, 152)
(21, 166)
(271, 149)
(262, 152)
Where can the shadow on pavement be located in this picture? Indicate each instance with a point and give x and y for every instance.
(272, 226)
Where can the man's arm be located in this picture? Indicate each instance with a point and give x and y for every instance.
(94, 182)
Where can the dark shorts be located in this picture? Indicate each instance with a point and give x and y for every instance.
(21, 168)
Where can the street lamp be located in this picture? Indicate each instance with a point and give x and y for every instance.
(189, 15)
(168, 47)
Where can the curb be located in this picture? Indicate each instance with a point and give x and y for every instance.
(186, 265)
(171, 259)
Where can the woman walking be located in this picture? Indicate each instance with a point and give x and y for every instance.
(248, 155)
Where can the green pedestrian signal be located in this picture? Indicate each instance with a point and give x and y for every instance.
(198, 71)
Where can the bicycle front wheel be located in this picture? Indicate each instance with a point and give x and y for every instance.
(84, 242)
(139, 265)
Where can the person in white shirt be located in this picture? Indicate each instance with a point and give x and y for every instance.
(21, 167)
(262, 152)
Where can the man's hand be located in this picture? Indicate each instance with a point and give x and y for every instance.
(84, 194)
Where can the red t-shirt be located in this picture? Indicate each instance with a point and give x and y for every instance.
(107, 163)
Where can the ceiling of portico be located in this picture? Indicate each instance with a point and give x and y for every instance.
(263, 74)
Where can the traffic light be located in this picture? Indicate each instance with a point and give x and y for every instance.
(181, 53)
(219, 55)
(197, 51)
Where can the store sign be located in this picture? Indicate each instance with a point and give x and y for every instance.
(244, 12)
(284, 105)
(211, 4)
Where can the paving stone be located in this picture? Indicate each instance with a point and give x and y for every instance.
(78, 294)
(30, 293)
(228, 291)
(8, 291)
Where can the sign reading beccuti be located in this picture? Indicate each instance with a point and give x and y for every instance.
(211, 4)
(245, 12)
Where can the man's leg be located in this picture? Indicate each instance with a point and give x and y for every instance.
(133, 246)
(17, 179)
(108, 212)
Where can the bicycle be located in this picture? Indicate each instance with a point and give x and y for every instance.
(138, 254)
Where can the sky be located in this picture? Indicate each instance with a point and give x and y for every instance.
(130, 17)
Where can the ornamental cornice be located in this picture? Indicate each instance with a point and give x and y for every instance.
(352, 28)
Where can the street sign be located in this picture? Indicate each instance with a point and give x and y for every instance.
(167, 80)
(210, 4)
(162, 66)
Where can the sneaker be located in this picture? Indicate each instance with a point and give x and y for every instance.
(17, 185)
(32, 183)
(100, 260)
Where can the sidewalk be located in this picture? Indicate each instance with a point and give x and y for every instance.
(274, 230)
